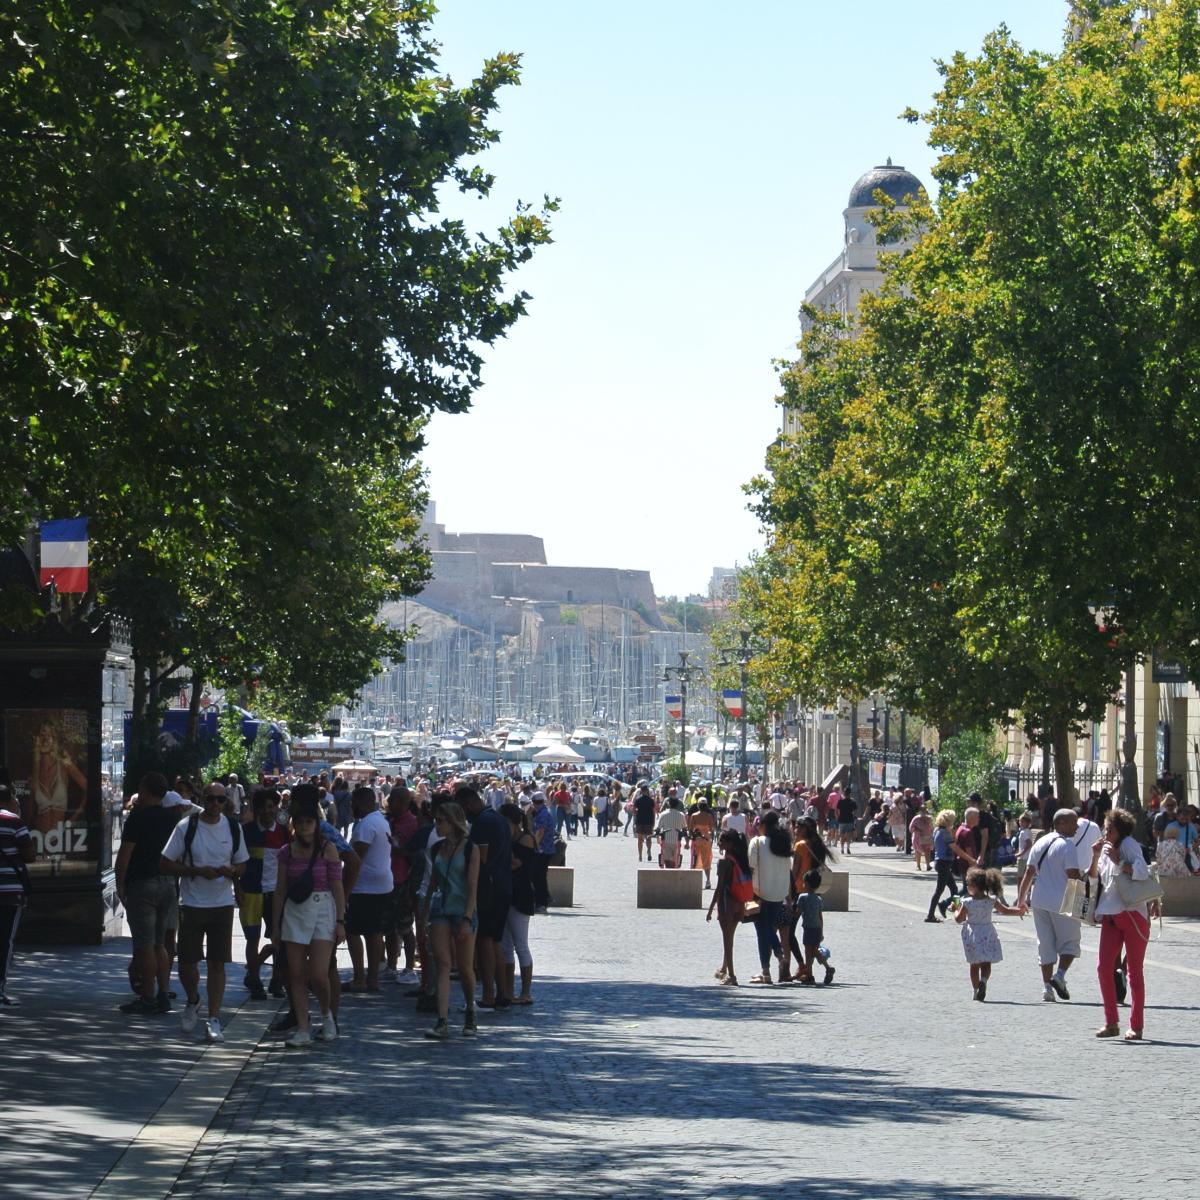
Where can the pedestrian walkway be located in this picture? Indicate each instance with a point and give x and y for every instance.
(634, 1075)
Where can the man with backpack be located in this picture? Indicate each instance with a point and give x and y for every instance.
(207, 852)
(148, 895)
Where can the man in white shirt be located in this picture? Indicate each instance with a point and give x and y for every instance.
(495, 794)
(735, 819)
(235, 796)
(368, 911)
(207, 852)
(671, 824)
(1053, 861)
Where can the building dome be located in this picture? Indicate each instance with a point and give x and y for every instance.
(894, 182)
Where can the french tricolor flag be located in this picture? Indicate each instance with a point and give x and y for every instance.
(65, 555)
(734, 702)
(674, 706)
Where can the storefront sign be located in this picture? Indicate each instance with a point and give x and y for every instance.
(1168, 670)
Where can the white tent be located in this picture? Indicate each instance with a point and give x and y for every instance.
(694, 758)
(354, 766)
(558, 752)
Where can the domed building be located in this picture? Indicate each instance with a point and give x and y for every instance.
(856, 269)
(823, 738)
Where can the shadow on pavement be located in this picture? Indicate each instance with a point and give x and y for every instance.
(544, 1101)
(80, 1078)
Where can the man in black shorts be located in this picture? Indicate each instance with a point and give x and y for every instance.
(491, 833)
(643, 819)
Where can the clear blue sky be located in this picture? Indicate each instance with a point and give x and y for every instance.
(703, 154)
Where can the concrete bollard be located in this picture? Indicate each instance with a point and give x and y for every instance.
(837, 899)
(1181, 897)
(657, 888)
(561, 881)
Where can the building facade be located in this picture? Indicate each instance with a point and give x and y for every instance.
(810, 743)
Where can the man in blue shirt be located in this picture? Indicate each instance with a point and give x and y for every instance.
(542, 821)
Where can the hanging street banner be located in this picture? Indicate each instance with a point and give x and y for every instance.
(65, 555)
(734, 703)
(675, 706)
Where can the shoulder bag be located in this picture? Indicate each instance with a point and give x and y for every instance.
(300, 889)
(1138, 891)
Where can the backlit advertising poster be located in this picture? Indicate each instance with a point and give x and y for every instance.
(46, 754)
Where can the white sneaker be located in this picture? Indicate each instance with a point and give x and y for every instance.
(212, 1030)
(327, 1031)
(1048, 994)
(298, 1039)
(190, 1018)
(408, 978)
(387, 975)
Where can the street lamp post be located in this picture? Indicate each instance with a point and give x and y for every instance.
(742, 659)
(684, 673)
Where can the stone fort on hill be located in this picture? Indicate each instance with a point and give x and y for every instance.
(485, 578)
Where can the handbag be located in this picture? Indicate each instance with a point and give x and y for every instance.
(826, 880)
(750, 911)
(1138, 891)
(1079, 900)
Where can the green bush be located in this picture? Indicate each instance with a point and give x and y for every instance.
(676, 772)
(232, 754)
(970, 763)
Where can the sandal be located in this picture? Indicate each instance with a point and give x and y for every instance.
(729, 981)
(764, 977)
(1108, 1031)
(522, 999)
(1133, 1035)
(719, 973)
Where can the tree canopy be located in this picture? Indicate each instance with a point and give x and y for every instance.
(230, 305)
(1002, 444)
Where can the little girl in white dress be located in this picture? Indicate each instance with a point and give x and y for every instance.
(981, 942)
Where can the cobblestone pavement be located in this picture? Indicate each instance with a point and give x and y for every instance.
(634, 1075)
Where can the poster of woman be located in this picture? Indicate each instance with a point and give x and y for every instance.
(46, 755)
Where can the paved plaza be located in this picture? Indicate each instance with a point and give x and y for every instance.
(633, 1075)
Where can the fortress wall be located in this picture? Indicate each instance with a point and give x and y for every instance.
(576, 585)
(497, 547)
(457, 576)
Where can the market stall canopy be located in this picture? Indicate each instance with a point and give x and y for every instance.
(694, 758)
(558, 752)
(354, 766)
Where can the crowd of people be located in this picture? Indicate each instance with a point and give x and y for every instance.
(420, 883)
(775, 859)
(429, 883)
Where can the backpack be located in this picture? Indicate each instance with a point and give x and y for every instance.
(189, 836)
(741, 885)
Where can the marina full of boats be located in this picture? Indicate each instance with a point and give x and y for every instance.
(398, 751)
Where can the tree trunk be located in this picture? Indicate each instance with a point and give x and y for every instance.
(1064, 766)
(193, 721)
(135, 751)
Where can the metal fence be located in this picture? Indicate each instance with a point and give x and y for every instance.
(895, 768)
(1090, 777)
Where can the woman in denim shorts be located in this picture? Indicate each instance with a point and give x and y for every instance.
(453, 919)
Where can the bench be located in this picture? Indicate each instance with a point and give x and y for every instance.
(658, 888)
(1181, 897)
(561, 882)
